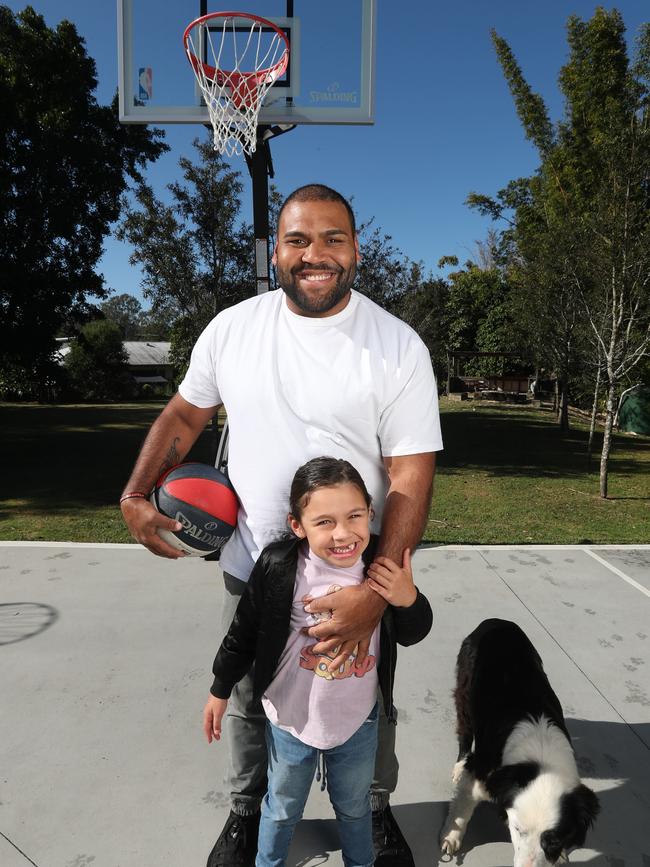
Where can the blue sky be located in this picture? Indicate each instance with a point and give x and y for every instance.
(445, 123)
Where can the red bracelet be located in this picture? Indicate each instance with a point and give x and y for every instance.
(131, 494)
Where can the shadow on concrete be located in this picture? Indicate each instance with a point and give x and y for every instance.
(313, 842)
(520, 444)
(316, 839)
(21, 620)
(611, 742)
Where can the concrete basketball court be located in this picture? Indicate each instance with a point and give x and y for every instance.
(105, 666)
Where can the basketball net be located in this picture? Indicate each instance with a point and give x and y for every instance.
(258, 52)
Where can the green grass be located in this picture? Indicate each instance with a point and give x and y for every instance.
(507, 475)
(66, 467)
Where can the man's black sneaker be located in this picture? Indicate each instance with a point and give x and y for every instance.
(391, 848)
(237, 843)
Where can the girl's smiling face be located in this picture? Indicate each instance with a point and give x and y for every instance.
(336, 523)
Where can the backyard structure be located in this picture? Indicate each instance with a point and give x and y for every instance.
(514, 385)
(147, 361)
(150, 366)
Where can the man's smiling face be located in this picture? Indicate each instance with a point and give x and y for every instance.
(316, 257)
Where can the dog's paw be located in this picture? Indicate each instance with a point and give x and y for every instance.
(457, 772)
(450, 843)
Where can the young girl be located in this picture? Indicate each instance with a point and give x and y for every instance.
(312, 710)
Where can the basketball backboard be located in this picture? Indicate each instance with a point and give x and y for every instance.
(330, 78)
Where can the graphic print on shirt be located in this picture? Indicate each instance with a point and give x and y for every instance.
(319, 662)
(316, 617)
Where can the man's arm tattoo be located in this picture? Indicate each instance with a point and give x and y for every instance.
(171, 458)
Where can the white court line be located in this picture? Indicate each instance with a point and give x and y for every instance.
(619, 573)
(478, 547)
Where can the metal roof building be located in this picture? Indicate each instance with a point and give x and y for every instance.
(143, 353)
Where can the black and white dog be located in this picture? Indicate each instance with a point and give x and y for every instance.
(514, 749)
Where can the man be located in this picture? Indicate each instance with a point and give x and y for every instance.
(316, 369)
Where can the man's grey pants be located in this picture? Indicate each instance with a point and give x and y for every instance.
(247, 722)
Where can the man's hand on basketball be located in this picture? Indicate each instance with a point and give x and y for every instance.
(143, 519)
(213, 713)
(356, 611)
(393, 583)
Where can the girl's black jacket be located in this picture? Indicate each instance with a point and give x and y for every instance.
(260, 627)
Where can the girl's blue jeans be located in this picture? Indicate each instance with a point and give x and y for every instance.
(349, 772)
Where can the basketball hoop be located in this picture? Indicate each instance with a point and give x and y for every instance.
(257, 54)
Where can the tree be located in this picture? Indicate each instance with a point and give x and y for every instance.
(64, 163)
(383, 272)
(197, 257)
(477, 316)
(126, 312)
(544, 302)
(157, 323)
(486, 252)
(582, 223)
(422, 305)
(97, 363)
(606, 145)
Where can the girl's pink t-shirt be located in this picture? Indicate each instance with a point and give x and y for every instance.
(322, 709)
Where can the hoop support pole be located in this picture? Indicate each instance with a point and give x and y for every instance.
(258, 166)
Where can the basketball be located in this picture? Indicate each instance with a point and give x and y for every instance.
(200, 498)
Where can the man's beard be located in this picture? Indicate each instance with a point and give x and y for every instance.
(288, 281)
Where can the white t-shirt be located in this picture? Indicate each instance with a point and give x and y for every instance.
(320, 708)
(357, 385)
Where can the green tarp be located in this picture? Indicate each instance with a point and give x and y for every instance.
(634, 412)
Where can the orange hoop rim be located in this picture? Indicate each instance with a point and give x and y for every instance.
(211, 72)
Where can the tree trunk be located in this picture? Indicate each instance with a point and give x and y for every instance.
(594, 410)
(564, 407)
(607, 439)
